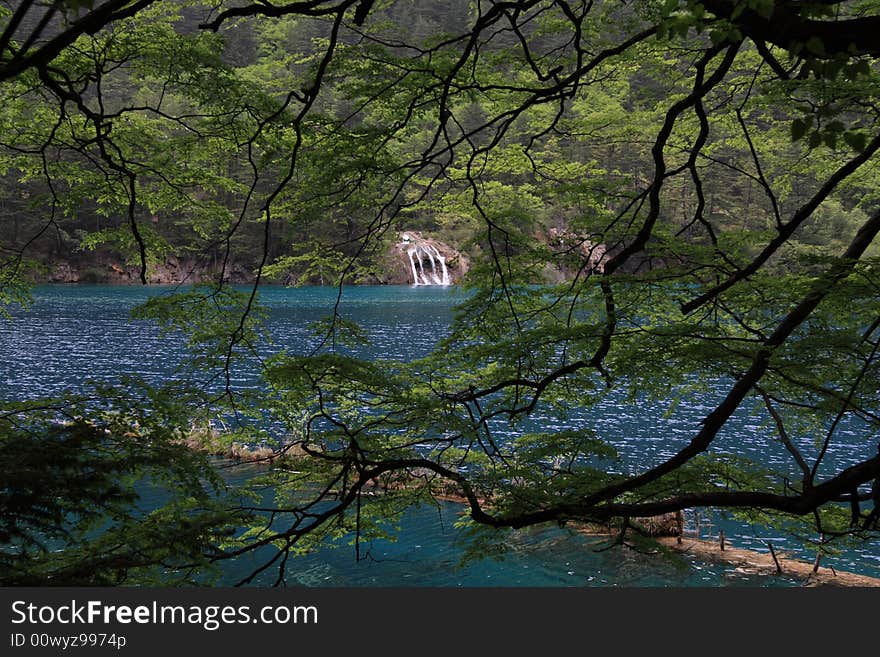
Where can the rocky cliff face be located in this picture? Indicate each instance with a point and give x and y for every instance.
(593, 254)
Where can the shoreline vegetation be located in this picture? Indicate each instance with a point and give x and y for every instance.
(397, 267)
(667, 530)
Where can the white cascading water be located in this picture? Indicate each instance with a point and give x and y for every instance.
(424, 259)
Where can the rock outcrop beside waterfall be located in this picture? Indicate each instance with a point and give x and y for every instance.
(590, 255)
(418, 260)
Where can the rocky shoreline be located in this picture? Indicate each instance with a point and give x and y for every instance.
(414, 258)
(107, 270)
(400, 265)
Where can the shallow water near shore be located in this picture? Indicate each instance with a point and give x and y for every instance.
(79, 332)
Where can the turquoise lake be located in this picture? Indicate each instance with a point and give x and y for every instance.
(77, 333)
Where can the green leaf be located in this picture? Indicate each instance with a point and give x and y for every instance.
(855, 140)
(815, 46)
(799, 128)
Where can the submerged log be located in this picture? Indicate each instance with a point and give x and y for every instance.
(667, 524)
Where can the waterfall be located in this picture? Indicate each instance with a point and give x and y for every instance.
(423, 260)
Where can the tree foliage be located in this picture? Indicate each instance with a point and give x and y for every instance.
(723, 153)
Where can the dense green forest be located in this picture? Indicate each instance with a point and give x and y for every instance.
(649, 197)
(185, 134)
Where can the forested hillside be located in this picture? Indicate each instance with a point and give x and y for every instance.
(178, 105)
